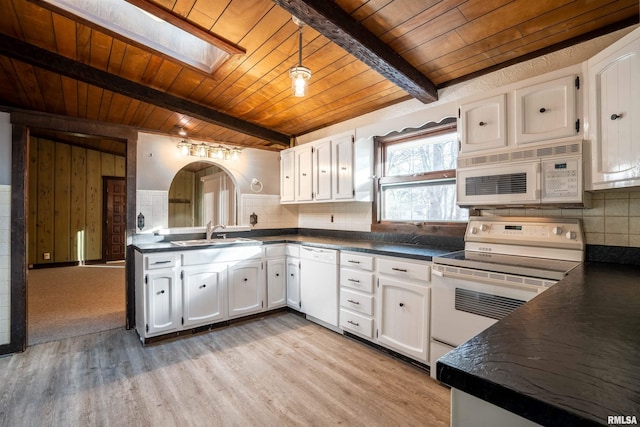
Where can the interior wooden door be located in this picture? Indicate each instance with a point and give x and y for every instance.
(115, 198)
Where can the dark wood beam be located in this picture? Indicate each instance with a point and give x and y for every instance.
(331, 21)
(41, 58)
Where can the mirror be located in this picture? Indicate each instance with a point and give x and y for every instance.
(202, 192)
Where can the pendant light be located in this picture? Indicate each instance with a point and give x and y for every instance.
(300, 75)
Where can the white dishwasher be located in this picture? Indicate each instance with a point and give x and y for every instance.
(319, 285)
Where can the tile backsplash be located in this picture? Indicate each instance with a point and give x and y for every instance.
(346, 216)
(5, 263)
(271, 214)
(154, 206)
(612, 220)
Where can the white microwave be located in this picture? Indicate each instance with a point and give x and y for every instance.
(550, 175)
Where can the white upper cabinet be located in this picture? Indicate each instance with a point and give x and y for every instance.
(287, 181)
(546, 111)
(483, 124)
(304, 173)
(343, 186)
(614, 114)
(322, 170)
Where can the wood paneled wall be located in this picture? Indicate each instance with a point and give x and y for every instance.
(65, 200)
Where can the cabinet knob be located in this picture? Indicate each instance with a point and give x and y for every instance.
(161, 292)
(401, 304)
(616, 116)
(542, 110)
(482, 124)
(287, 176)
(323, 171)
(245, 279)
(304, 174)
(203, 286)
(277, 274)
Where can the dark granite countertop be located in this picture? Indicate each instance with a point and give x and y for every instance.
(569, 357)
(419, 252)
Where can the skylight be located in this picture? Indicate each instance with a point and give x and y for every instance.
(123, 18)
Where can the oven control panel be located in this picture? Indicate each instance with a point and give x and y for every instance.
(526, 231)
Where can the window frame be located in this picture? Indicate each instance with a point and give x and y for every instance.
(444, 228)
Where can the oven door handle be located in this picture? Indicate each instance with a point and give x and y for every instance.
(479, 279)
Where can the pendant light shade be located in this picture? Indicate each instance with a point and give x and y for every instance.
(300, 75)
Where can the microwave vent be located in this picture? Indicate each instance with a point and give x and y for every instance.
(520, 155)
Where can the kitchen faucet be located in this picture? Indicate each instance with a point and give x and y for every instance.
(212, 228)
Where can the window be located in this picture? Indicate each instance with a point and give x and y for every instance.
(417, 172)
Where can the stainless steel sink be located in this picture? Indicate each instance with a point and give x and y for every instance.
(209, 242)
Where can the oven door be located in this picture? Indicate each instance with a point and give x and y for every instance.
(511, 184)
(463, 307)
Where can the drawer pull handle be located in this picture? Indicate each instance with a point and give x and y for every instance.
(401, 304)
(161, 292)
(354, 280)
(616, 116)
(353, 261)
(353, 302)
(161, 262)
(353, 323)
(542, 110)
(482, 123)
(402, 270)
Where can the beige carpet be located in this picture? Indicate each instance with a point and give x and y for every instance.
(66, 302)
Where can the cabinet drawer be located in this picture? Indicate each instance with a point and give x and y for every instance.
(408, 270)
(357, 323)
(357, 302)
(293, 250)
(349, 259)
(156, 261)
(274, 251)
(356, 279)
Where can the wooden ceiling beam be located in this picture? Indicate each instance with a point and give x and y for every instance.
(41, 58)
(331, 21)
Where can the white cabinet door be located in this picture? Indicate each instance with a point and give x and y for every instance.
(343, 184)
(484, 124)
(304, 173)
(276, 283)
(203, 294)
(293, 282)
(403, 310)
(287, 176)
(322, 166)
(614, 114)
(162, 302)
(546, 111)
(245, 288)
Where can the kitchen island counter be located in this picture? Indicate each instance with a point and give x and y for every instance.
(569, 357)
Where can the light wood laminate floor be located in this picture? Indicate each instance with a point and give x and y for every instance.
(274, 371)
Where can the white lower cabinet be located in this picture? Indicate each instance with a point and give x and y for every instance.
(357, 301)
(404, 307)
(246, 294)
(203, 294)
(293, 276)
(162, 302)
(186, 289)
(276, 273)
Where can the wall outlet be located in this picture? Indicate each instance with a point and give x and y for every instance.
(46, 255)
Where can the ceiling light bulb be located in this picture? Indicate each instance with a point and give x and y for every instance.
(184, 147)
(300, 80)
(235, 154)
(181, 131)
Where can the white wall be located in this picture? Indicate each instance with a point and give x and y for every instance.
(5, 228)
(159, 160)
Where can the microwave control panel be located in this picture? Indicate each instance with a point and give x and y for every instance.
(562, 180)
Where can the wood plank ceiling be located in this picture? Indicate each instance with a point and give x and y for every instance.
(446, 41)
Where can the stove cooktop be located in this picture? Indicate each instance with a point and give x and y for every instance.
(510, 264)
